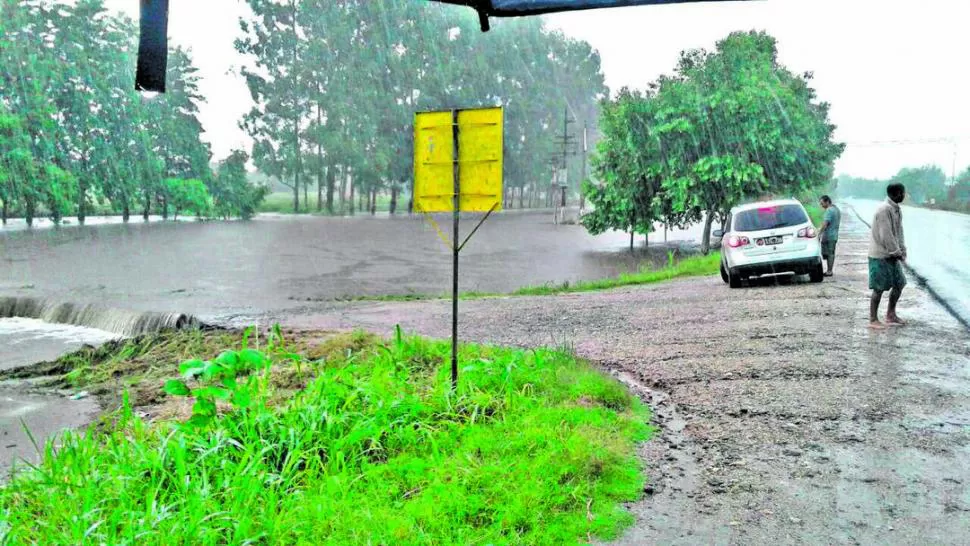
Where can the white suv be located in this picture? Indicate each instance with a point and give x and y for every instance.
(766, 238)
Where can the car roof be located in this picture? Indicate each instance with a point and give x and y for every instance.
(762, 204)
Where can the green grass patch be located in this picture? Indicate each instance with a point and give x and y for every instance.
(282, 203)
(815, 212)
(535, 447)
(693, 266)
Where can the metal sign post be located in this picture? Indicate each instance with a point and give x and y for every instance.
(455, 249)
(457, 167)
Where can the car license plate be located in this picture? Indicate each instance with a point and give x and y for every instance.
(773, 240)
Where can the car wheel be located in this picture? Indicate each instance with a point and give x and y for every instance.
(724, 274)
(815, 275)
(734, 280)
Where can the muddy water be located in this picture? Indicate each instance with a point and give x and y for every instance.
(44, 415)
(236, 272)
(223, 270)
(939, 250)
(25, 341)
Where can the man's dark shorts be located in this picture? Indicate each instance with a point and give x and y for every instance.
(828, 248)
(886, 274)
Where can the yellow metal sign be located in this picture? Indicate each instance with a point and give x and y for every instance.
(479, 160)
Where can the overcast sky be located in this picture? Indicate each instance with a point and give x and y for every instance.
(893, 70)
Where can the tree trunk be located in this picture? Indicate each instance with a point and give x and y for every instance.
(343, 189)
(29, 212)
(351, 197)
(631, 239)
(331, 178)
(165, 210)
(393, 200)
(373, 202)
(306, 197)
(125, 211)
(148, 208)
(82, 212)
(296, 117)
(320, 190)
(706, 236)
(4, 210)
(522, 197)
(319, 159)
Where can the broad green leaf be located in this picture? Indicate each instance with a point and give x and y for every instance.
(175, 387)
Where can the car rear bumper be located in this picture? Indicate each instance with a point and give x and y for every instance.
(798, 266)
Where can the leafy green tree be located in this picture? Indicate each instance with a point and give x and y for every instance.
(17, 170)
(337, 83)
(922, 183)
(232, 192)
(66, 72)
(60, 189)
(959, 193)
(187, 195)
(629, 195)
(862, 188)
(728, 125)
(276, 37)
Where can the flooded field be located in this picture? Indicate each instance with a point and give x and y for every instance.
(222, 270)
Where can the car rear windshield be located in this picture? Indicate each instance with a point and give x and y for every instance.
(771, 217)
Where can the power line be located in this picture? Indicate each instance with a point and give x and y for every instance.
(931, 140)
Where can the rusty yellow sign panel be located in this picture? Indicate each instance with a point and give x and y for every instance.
(479, 160)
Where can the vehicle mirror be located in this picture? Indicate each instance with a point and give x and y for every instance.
(718, 233)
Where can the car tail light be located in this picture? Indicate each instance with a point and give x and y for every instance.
(734, 241)
(807, 233)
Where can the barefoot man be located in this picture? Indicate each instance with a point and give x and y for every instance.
(887, 252)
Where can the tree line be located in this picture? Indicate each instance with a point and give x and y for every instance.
(76, 139)
(726, 126)
(336, 84)
(924, 185)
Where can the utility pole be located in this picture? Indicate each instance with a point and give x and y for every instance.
(560, 161)
(582, 177)
(565, 139)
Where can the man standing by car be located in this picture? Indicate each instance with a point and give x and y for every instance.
(887, 252)
(828, 233)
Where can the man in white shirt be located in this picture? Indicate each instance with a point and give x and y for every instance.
(887, 252)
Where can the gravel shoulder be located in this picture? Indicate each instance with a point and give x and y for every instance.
(782, 418)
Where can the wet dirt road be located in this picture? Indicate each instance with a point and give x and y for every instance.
(783, 419)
